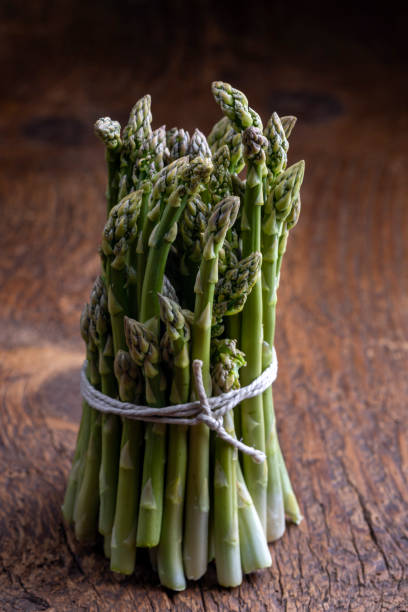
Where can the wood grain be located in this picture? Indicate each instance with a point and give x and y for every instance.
(342, 332)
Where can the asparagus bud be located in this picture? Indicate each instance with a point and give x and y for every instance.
(192, 226)
(198, 146)
(109, 132)
(143, 346)
(224, 134)
(168, 290)
(235, 285)
(165, 181)
(128, 376)
(218, 132)
(254, 145)
(276, 154)
(178, 141)
(220, 182)
(120, 231)
(293, 217)
(84, 323)
(282, 196)
(228, 254)
(138, 127)
(99, 314)
(222, 219)
(288, 123)
(234, 105)
(227, 359)
(152, 156)
(174, 319)
(197, 173)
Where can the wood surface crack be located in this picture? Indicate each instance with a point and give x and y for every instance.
(72, 553)
(368, 520)
(32, 597)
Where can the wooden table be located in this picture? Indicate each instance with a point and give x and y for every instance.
(342, 332)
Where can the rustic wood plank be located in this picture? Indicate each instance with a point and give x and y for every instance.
(343, 307)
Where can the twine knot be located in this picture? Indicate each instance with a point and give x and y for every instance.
(207, 410)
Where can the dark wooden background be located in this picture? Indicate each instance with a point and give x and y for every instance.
(342, 333)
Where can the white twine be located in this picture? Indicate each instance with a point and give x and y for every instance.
(208, 410)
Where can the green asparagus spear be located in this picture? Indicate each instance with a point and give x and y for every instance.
(87, 498)
(276, 159)
(152, 157)
(252, 420)
(119, 238)
(144, 350)
(189, 180)
(158, 191)
(197, 509)
(291, 505)
(280, 203)
(170, 558)
(74, 478)
(234, 105)
(185, 183)
(123, 545)
(109, 132)
(276, 152)
(138, 128)
(100, 329)
(226, 361)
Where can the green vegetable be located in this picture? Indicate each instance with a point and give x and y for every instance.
(191, 262)
(197, 508)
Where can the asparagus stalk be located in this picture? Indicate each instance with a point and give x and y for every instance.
(189, 180)
(87, 498)
(144, 350)
(276, 159)
(119, 236)
(197, 509)
(252, 420)
(74, 478)
(123, 546)
(100, 329)
(162, 186)
(192, 226)
(280, 203)
(176, 340)
(136, 131)
(234, 105)
(109, 132)
(291, 505)
(255, 553)
(226, 360)
(152, 157)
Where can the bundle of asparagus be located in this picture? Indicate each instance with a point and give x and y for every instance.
(191, 260)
